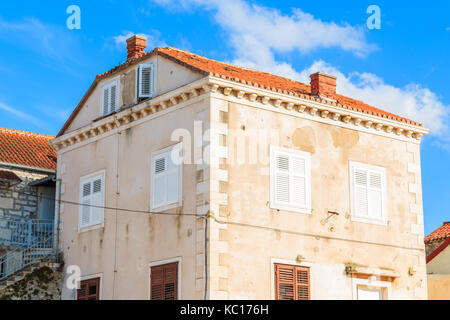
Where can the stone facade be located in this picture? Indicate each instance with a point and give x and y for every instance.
(18, 199)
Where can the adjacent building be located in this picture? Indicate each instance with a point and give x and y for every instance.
(197, 179)
(27, 202)
(27, 166)
(437, 246)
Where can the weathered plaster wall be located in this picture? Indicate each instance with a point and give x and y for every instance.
(168, 76)
(440, 264)
(122, 249)
(439, 287)
(246, 249)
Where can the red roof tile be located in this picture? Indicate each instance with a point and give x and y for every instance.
(27, 149)
(8, 175)
(238, 74)
(441, 233)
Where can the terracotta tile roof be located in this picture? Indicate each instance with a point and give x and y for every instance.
(441, 233)
(9, 175)
(269, 81)
(27, 149)
(238, 74)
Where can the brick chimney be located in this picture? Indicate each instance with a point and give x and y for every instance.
(323, 84)
(136, 46)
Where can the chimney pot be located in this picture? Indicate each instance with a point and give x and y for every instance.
(323, 84)
(136, 46)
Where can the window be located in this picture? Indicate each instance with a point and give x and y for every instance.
(369, 293)
(110, 97)
(92, 199)
(290, 179)
(145, 87)
(164, 282)
(166, 177)
(89, 289)
(371, 289)
(291, 282)
(368, 193)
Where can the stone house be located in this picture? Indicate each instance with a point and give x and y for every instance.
(437, 246)
(27, 164)
(197, 179)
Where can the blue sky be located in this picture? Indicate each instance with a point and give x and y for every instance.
(402, 67)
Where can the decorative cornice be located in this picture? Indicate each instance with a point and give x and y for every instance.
(317, 109)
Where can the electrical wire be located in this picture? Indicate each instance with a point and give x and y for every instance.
(112, 208)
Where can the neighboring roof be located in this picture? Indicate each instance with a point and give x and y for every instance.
(6, 175)
(48, 181)
(238, 74)
(441, 233)
(438, 250)
(27, 149)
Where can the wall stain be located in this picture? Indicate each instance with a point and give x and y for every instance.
(344, 140)
(304, 139)
(128, 85)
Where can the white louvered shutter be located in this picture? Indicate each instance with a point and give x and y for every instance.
(85, 216)
(166, 178)
(106, 101)
(375, 195)
(368, 191)
(290, 179)
(298, 180)
(282, 190)
(361, 197)
(145, 80)
(159, 180)
(113, 104)
(173, 175)
(97, 201)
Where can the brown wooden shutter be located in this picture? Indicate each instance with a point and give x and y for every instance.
(89, 289)
(164, 282)
(291, 282)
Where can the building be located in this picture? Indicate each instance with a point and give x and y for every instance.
(27, 205)
(198, 179)
(27, 164)
(437, 245)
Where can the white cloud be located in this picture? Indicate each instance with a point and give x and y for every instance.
(257, 33)
(252, 25)
(412, 101)
(22, 115)
(153, 39)
(50, 41)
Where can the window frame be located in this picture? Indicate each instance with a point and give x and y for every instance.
(160, 263)
(90, 178)
(383, 285)
(166, 205)
(109, 84)
(383, 220)
(91, 277)
(274, 150)
(294, 263)
(152, 78)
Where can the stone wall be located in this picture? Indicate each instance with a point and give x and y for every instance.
(19, 199)
(44, 283)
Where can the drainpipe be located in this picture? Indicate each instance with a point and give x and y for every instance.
(57, 214)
